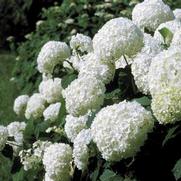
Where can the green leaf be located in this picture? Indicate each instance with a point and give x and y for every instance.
(177, 170)
(19, 176)
(109, 175)
(67, 79)
(144, 101)
(167, 35)
(95, 174)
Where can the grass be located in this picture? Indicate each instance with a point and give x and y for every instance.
(8, 91)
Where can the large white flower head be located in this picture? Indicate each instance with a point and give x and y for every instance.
(3, 136)
(166, 106)
(35, 106)
(74, 125)
(172, 26)
(51, 54)
(177, 14)
(51, 90)
(165, 71)
(94, 67)
(81, 42)
(20, 104)
(52, 112)
(176, 41)
(16, 129)
(76, 61)
(119, 36)
(57, 161)
(151, 13)
(120, 130)
(81, 151)
(84, 94)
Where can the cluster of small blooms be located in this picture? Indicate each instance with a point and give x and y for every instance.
(121, 129)
(35, 106)
(83, 94)
(57, 161)
(119, 36)
(51, 90)
(3, 137)
(81, 42)
(20, 104)
(51, 54)
(177, 14)
(176, 39)
(81, 150)
(151, 13)
(52, 112)
(74, 125)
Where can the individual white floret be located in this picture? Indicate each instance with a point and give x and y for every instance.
(94, 67)
(81, 42)
(35, 106)
(16, 129)
(176, 41)
(51, 90)
(84, 94)
(57, 161)
(81, 150)
(20, 104)
(51, 54)
(165, 71)
(74, 125)
(166, 106)
(3, 136)
(119, 36)
(151, 13)
(120, 130)
(172, 26)
(177, 14)
(52, 112)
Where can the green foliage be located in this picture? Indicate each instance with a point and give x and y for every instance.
(177, 170)
(109, 175)
(167, 36)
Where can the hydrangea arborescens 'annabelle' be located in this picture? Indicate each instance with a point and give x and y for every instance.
(52, 53)
(120, 130)
(119, 36)
(177, 14)
(151, 13)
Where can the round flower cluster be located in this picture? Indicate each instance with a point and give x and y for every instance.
(20, 104)
(176, 39)
(51, 90)
(84, 94)
(177, 14)
(81, 42)
(57, 161)
(35, 106)
(94, 67)
(151, 13)
(120, 130)
(3, 136)
(51, 54)
(52, 112)
(81, 150)
(74, 125)
(119, 36)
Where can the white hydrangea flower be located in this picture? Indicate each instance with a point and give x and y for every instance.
(81, 151)
(123, 62)
(52, 53)
(81, 42)
(176, 41)
(92, 66)
(151, 13)
(3, 136)
(46, 76)
(35, 106)
(51, 90)
(16, 129)
(74, 125)
(173, 26)
(166, 106)
(52, 112)
(83, 94)
(165, 71)
(119, 36)
(177, 14)
(20, 104)
(120, 130)
(47, 178)
(75, 61)
(57, 161)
